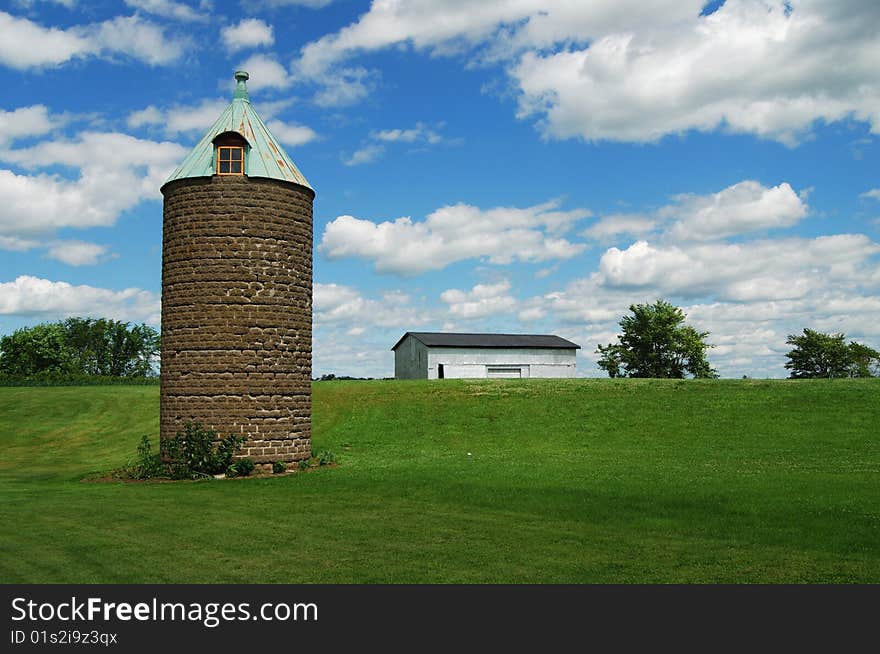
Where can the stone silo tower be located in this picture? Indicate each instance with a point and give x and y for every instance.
(237, 289)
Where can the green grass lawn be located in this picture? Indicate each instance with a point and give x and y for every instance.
(582, 481)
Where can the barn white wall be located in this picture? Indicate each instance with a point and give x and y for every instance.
(471, 363)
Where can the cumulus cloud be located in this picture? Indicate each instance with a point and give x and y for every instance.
(25, 122)
(16, 244)
(421, 133)
(340, 304)
(179, 118)
(749, 295)
(291, 134)
(27, 44)
(367, 154)
(248, 33)
(770, 68)
(615, 225)
(874, 194)
(77, 253)
(759, 270)
(32, 296)
(311, 4)
(635, 71)
(744, 207)
(265, 72)
(373, 149)
(455, 233)
(482, 301)
(119, 172)
(168, 9)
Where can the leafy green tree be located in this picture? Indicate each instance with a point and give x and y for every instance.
(818, 355)
(656, 343)
(33, 350)
(80, 347)
(863, 361)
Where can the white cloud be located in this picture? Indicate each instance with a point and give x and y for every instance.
(339, 304)
(378, 139)
(367, 154)
(69, 4)
(32, 296)
(759, 270)
(77, 253)
(291, 135)
(874, 193)
(744, 207)
(137, 38)
(455, 233)
(482, 301)
(769, 68)
(15, 244)
(311, 4)
(168, 9)
(118, 172)
(616, 224)
(421, 133)
(29, 45)
(636, 71)
(25, 122)
(265, 72)
(248, 33)
(341, 86)
(179, 118)
(26, 44)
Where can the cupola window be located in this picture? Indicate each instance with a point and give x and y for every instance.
(230, 160)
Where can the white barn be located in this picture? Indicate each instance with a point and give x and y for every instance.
(432, 355)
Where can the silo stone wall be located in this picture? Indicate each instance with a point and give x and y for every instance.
(237, 312)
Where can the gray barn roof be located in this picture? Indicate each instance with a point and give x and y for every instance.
(439, 339)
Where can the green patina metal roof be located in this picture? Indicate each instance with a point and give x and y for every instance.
(264, 158)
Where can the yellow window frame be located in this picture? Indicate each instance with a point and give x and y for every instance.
(226, 159)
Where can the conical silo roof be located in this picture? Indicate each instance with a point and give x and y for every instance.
(265, 157)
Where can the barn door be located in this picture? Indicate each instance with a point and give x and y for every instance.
(503, 372)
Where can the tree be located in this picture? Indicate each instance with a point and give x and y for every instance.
(34, 350)
(80, 347)
(818, 355)
(656, 343)
(863, 361)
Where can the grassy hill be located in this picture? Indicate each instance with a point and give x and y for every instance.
(466, 481)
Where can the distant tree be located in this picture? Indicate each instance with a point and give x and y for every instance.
(817, 355)
(80, 347)
(656, 343)
(863, 361)
(34, 350)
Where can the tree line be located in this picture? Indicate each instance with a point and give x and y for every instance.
(655, 342)
(80, 347)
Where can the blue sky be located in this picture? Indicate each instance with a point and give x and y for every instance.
(528, 166)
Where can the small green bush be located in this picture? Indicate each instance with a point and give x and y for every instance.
(325, 457)
(241, 468)
(196, 451)
(147, 464)
(278, 467)
(303, 464)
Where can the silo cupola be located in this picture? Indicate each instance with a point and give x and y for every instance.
(239, 143)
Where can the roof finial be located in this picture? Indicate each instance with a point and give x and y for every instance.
(240, 87)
